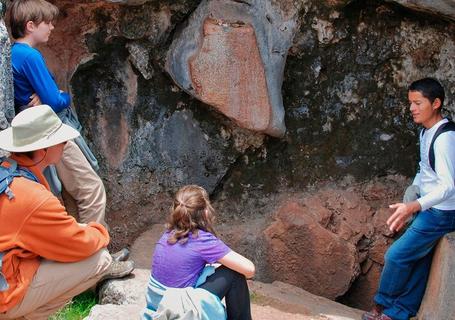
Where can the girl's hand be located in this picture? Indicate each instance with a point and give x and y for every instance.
(35, 100)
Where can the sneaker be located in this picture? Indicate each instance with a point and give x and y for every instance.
(372, 316)
(374, 313)
(118, 269)
(121, 255)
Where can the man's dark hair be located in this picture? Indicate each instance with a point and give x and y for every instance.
(430, 89)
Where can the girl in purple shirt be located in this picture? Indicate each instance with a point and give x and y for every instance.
(190, 243)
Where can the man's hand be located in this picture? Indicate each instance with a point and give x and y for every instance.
(401, 215)
(35, 100)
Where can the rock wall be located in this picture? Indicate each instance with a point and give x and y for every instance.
(6, 78)
(343, 99)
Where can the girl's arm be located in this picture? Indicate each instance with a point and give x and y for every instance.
(238, 263)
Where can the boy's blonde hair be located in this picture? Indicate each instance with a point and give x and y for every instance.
(23, 11)
(191, 211)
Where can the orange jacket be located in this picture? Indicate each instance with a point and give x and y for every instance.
(35, 225)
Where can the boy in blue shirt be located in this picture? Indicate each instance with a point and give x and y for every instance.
(31, 23)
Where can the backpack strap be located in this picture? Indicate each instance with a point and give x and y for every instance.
(448, 126)
(6, 177)
(7, 174)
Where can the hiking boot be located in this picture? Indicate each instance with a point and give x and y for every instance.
(118, 269)
(121, 255)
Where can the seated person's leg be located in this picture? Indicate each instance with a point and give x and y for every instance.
(55, 283)
(83, 184)
(231, 285)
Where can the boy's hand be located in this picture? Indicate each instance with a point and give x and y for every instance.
(401, 215)
(35, 100)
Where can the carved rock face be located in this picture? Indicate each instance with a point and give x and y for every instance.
(232, 58)
(228, 74)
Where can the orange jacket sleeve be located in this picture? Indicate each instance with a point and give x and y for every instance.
(53, 234)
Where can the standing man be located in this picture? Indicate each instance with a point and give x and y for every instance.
(46, 257)
(408, 260)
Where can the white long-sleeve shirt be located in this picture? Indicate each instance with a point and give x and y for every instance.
(437, 188)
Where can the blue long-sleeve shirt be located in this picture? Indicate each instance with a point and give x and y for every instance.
(31, 75)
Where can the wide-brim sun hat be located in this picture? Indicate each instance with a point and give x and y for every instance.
(35, 128)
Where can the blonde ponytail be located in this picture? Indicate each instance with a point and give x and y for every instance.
(190, 212)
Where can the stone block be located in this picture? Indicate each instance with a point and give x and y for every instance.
(115, 312)
(440, 293)
(126, 291)
(6, 76)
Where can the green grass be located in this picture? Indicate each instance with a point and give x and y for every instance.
(78, 308)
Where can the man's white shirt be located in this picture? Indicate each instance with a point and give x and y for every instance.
(437, 188)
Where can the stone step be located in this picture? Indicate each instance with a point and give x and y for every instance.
(285, 297)
(125, 298)
(440, 294)
(126, 312)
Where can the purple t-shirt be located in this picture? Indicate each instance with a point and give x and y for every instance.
(179, 265)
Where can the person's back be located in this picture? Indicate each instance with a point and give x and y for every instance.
(33, 225)
(179, 265)
(47, 257)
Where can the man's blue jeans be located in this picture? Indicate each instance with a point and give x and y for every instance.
(408, 261)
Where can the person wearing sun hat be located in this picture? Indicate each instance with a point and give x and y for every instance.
(48, 257)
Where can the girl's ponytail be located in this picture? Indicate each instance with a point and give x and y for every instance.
(190, 211)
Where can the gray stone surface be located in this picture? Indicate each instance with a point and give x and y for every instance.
(6, 77)
(146, 22)
(115, 312)
(445, 8)
(140, 58)
(126, 291)
(440, 294)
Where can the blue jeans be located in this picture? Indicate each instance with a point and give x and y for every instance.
(408, 261)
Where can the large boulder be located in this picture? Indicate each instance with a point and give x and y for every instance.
(231, 55)
(305, 254)
(125, 291)
(332, 242)
(6, 77)
(444, 8)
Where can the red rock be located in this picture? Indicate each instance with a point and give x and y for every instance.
(67, 48)
(228, 74)
(301, 252)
